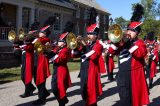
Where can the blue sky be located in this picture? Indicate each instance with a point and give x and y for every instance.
(118, 7)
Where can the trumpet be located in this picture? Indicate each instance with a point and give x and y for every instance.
(40, 48)
(73, 42)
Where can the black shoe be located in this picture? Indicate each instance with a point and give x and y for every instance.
(66, 100)
(111, 79)
(32, 90)
(63, 101)
(39, 102)
(28, 94)
(150, 86)
(46, 95)
(25, 95)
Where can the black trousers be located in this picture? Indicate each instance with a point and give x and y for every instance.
(110, 74)
(42, 91)
(148, 75)
(124, 88)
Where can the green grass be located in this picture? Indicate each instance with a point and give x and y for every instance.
(10, 74)
(13, 74)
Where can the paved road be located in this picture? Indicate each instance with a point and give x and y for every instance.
(9, 93)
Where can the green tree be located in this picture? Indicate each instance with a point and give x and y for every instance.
(150, 9)
(121, 21)
(150, 25)
(158, 11)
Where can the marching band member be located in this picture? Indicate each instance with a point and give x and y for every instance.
(17, 50)
(108, 57)
(27, 65)
(109, 62)
(153, 69)
(43, 71)
(152, 57)
(61, 80)
(92, 63)
(131, 82)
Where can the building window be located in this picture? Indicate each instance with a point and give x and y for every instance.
(86, 14)
(107, 19)
(84, 30)
(104, 19)
(77, 11)
(25, 18)
(36, 13)
(57, 24)
(77, 29)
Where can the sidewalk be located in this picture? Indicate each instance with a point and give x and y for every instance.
(9, 93)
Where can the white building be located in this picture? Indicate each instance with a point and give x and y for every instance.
(15, 14)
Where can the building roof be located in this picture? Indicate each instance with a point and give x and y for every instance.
(92, 3)
(62, 3)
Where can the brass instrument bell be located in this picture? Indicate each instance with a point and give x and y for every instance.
(11, 35)
(21, 34)
(38, 46)
(71, 41)
(115, 33)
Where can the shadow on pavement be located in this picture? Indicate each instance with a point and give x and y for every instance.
(108, 92)
(117, 103)
(3, 82)
(157, 82)
(79, 103)
(156, 102)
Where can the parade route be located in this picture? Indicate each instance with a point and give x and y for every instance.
(9, 93)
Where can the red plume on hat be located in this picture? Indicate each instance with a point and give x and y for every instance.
(33, 31)
(44, 28)
(63, 35)
(93, 25)
(136, 17)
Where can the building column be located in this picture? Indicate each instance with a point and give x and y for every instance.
(32, 16)
(19, 17)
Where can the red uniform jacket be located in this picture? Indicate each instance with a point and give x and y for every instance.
(101, 62)
(90, 71)
(43, 71)
(29, 48)
(153, 69)
(62, 72)
(111, 64)
(139, 87)
(110, 61)
(94, 87)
